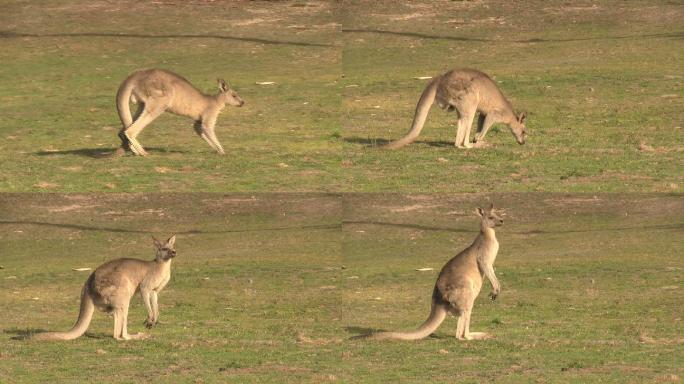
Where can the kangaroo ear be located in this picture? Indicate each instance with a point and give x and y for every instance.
(522, 116)
(479, 211)
(171, 241)
(157, 243)
(223, 86)
(491, 207)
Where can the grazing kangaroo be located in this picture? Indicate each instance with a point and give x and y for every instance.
(112, 285)
(459, 283)
(156, 91)
(467, 91)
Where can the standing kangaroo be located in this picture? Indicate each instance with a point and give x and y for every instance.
(112, 285)
(157, 91)
(468, 91)
(459, 283)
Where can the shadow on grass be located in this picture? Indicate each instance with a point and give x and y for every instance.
(188, 232)
(409, 226)
(361, 333)
(675, 226)
(23, 333)
(378, 143)
(337, 226)
(100, 153)
(672, 35)
(11, 34)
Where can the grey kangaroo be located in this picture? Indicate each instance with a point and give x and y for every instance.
(459, 283)
(467, 91)
(156, 91)
(112, 285)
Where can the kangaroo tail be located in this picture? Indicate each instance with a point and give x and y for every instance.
(437, 315)
(84, 317)
(422, 109)
(123, 97)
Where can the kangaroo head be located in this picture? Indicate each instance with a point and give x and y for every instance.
(518, 128)
(490, 218)
(165, 251)
(228, 95)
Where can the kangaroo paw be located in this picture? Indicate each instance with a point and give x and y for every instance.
(478, 336)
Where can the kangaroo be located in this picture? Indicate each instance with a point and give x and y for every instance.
(156, 91)
(112, 285)
(459, 283)
(467, 91)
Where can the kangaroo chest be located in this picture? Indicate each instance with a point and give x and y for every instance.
(157, 279)
(487, 251)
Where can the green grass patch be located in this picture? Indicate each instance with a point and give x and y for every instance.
(269, 288)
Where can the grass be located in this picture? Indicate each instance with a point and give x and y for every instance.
(246, 266)
(597, 80)
(320, 234)
(64, 60)
(601, 83)
(269, 287)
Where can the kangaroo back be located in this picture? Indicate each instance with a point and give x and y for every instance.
(84, 317)
(422, 109)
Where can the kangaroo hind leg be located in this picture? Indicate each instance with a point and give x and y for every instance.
(125, 144)
(472, 335)
(465, 123)
(124, 326)
(131, 133)
(118, 317)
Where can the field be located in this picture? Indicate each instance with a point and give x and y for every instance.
(306, 233)
(63, 62)
(271, 287)
(601, 82)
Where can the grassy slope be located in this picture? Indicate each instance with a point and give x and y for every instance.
(583, 278)
(232, 310)
(598, 80)
(63, 62)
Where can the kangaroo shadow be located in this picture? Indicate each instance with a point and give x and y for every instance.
(360, 332)
(377, 142)
(23, 333)
(100, 153)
